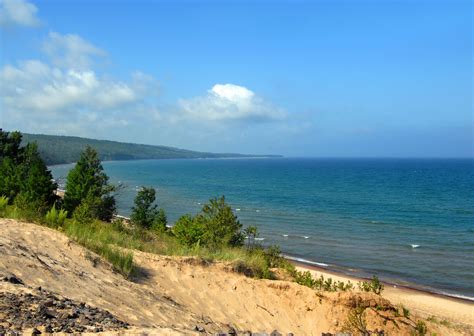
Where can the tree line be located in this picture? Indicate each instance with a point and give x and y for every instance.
(26, 183)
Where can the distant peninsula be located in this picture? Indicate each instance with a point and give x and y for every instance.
(55, 149)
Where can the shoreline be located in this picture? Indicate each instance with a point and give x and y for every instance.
(326, 269)
(425, 303)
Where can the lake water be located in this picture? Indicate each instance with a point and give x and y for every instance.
(408, 221)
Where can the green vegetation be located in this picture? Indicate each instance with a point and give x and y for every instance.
(65, 149)
(87, 183)
(145, 212)
(55, 218)
(24, 178)
(374, 285)
(3, 205)
(214, 227)
(215, 233)
(420, 328)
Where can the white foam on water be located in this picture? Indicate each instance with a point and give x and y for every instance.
(259, 239)
(414, 246)
(257, 210)
(306, 261)
(284, 235)
(238, 209)
(305, 237)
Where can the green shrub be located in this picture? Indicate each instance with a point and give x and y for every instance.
(374, 285)
(406, 312)
(273, 256)
(160, 221)
(188, 230)
(25, 208)
(84, 213)
(305, 279)
(55, 218)
(215, 227)
(420, 328)
(3, 205)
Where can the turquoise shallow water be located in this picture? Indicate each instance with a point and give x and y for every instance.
(359, 216)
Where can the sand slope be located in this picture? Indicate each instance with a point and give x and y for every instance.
(174, 295)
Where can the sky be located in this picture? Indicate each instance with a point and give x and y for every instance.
(334, 78)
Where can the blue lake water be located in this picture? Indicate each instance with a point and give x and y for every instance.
(359, 216)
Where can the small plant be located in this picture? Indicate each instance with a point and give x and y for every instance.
(273, 256)
(373, 285)
(420, 328)
(406, 312)
(55, 218)
(305, 279)
(3, 205)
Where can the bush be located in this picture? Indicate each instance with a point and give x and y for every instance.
(3, 205)
(221, 226)
(85, 212)
(214, 227)
(420, 328)
(374, 285)
(188, 230)
(160, 221)
(55, 218)
(26, 208)
(273, 256)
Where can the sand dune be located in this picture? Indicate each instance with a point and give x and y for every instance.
(179, 295)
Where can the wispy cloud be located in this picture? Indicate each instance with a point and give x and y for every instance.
(18, 13)
(68, 95)
(230, 102)
(71, 51)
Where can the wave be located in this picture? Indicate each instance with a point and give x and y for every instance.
(305, 261)
(284, 235)
(414, 246)
(259, 238)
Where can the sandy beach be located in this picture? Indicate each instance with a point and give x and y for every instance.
(426, 305)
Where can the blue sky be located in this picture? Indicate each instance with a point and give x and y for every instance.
(298, 78)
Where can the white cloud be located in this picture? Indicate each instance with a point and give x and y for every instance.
(230, 102)
(18, 13)
(36, 87)
(66, 95)
(70, 51)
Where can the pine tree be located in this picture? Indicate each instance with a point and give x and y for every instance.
(87, 180)
(23, 172)
(144, 211)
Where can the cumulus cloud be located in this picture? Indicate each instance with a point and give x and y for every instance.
(18, 13)
(36, 86)
(230, 102)
(70, 51)
(67, 96)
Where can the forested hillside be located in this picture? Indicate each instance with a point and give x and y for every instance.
(66, 149)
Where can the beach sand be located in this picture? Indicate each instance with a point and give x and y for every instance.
(176, 295)
(426, 305)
